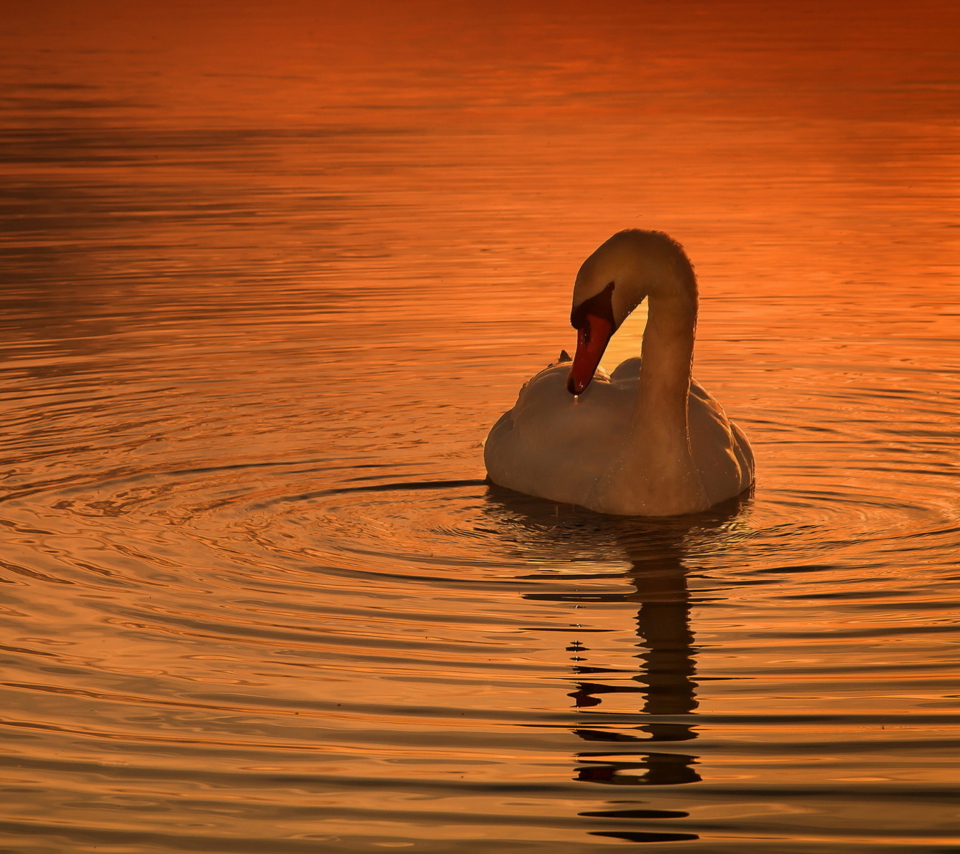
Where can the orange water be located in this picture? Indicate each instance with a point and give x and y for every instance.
(269, 272)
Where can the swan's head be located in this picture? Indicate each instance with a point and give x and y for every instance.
(612, 282)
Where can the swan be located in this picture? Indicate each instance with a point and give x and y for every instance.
(646, 440)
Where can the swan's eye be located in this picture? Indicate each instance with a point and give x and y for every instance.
(599, 305)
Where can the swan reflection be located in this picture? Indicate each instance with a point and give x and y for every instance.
(664, 681)
(652, 743)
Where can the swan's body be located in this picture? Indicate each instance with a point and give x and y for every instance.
(644, 441)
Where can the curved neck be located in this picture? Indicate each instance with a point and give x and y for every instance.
(667, 360)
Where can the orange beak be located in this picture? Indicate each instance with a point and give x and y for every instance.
(592, 339)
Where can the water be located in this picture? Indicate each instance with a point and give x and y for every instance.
(268, 278)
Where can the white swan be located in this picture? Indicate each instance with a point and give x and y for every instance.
(638, 442)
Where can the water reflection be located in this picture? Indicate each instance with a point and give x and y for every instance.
(656, 749)
(665, 680)
(267, 274)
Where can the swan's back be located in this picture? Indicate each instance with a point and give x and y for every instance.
(558, 446)
(547, 444)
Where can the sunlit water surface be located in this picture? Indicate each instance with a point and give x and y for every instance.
(268, 279)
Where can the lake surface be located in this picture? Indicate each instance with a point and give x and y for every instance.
(268, 273)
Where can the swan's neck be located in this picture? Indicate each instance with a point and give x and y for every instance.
(667, 359)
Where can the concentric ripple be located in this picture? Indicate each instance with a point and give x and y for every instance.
(267, 278)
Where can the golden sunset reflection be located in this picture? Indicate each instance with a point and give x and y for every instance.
(268, 275)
